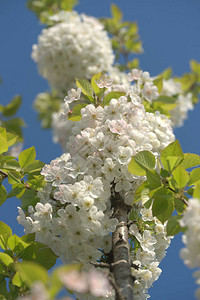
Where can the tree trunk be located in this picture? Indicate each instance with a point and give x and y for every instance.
(121, 251)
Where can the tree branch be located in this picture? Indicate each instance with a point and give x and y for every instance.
(121, 250)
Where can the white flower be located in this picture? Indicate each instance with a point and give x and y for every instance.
(147, 241)
(134, 75)
(150, 91)
(104, 81)
(91, 115)
(73, 95)
(183, 101)
(78, 46)
(124, 154)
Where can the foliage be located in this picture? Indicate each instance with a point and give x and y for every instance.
(191, 81)
(10, 122)
(169, 183)
(15, 251)
(45, 8)
(124, 37)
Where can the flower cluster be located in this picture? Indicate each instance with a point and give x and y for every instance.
(183, 101)
(74, 215)
(150, 236)
(142, 89)
(191, 238)
(77, 46)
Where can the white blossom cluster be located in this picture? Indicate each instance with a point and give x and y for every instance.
(191, 238)
(77, 46)
(183, 101)
(142, 89)
(74, 215)
(153, 242)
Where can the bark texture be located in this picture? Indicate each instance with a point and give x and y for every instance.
(121, 251)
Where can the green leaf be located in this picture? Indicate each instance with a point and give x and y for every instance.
(145, 159)
(17, 191)
(76, 112)
(3, 140)
(141, 191)
(172, 156)
(26, 157)
(132, 30)
(173, 149)
(181, 176)
(194, 176)
(5, 233)
(179, 205)
(166, 74)
(153, 179)
(29, 198)
(14, 177)
(86, 87)
(35, 181)
(196, 193)
(41, 254)
(33, 167)
(6, 259)
(190, 191)
(134, 64)
(11, 138)
(134, 46)
(116, 13)
(31, 272)
(159, 83)
(165, 100)
(112, 95)
(3, 194)
(28, 238)
(14, 125)
(68, 5)
(195, 66)
(16, 244)
(163, 204)
(173, 226)
(12, 107)
(17, 280)
(94, 85)
(190, 160)
(135, 168)
(12, 165)
(3, 288)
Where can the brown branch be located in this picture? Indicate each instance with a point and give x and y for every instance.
(101, 265)
(3, 173)
(121, 250)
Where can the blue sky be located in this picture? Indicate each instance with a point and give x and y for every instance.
(170, 35)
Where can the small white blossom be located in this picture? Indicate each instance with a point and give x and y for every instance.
(73, 95)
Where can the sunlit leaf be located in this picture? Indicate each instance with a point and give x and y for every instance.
(12, 107)
(3, 140)
(181, 176)
(173, 226)
(3, 194)
(31, 272)
(26, 157)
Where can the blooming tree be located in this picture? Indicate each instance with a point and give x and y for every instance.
(109, 206)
